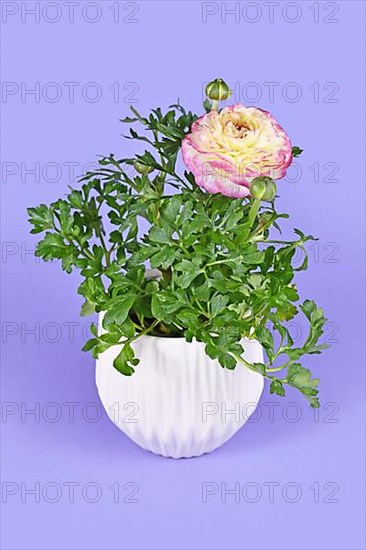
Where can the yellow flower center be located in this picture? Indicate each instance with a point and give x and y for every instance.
(238, 127)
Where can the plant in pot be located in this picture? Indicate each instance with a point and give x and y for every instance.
(188, 273)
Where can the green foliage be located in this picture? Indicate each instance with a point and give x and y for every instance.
(222, 277)
(296, 151)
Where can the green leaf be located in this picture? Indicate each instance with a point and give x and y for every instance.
(52, 247)
(218, 303)
(94, 329)
(90, 344)
(76, 199)
(66, 220)
(207, 105)
(264, 336)
(202, 292)
(277, 387)
(233, 220)
(88, 308)
(308, 308)
(291, 293)
(197, 224)
(164, 258)
(187, 278)
(300, 378)
(259, 367)
(170, 210)
(118, 309)
(190, 271)
(304, 264)
(159, 235)
(41, 217)
(125, 360)
(296, 151)
(164, 304)
(128, 328)
(227, 361)
(156, 307)
(116, 237)
(188, 317)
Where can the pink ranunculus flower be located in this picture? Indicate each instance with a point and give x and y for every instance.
(226, 150)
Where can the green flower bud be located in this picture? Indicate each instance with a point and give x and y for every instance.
(263, 188)
(141, 168)
(218, 90)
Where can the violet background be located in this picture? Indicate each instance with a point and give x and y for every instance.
(169, 53)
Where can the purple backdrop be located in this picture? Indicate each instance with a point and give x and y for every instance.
(70, 71)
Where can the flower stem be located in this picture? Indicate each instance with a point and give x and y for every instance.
(214, 104)
(253, 212)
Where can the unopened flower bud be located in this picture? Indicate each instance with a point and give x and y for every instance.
(141, 168)
(218, 90)
(263, 188)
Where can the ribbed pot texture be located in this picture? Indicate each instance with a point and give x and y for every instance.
(179, 402)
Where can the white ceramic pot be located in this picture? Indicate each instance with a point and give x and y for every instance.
(179, 402)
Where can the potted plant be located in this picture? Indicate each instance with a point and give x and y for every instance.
(187, 273)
